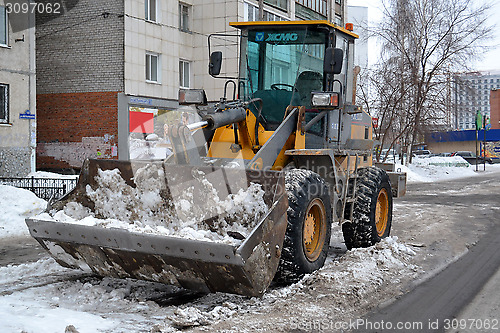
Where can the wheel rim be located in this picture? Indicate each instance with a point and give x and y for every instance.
(381, 212)
(314, 232)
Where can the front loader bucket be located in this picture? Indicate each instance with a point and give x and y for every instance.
(245, 267)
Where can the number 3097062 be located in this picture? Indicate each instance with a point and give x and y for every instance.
(33, 7)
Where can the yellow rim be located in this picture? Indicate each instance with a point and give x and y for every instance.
(382, 212)
(314, 232)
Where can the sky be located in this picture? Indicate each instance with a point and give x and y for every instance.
(490, 61)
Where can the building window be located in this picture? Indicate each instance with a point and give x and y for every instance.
(251, 13)
(151, 10)
(184, 16)
(4, 103)
(281, 4)
(184, 70)
(152, 67)
(319, 6)
(4, 27)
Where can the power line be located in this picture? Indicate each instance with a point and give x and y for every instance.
(104, 15)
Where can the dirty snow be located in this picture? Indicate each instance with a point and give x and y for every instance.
(15, 206)
(346, 280)
(144, 208)
(360, 270)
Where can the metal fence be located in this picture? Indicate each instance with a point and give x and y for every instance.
(44, 188)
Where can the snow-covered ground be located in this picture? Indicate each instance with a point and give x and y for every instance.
(42, 296)
(110, 305)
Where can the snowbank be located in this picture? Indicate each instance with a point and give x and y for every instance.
(45, 174)
(15, 205)
(360, 270)
(431, 169)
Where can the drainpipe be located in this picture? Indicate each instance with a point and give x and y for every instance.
(32, 90)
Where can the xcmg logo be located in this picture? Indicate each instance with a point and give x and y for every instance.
(278, 37)
(283, 37)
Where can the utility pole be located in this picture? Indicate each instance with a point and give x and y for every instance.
(484, 142)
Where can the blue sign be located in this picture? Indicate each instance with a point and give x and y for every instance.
(138, 100)
(259, 37)
(26, 115)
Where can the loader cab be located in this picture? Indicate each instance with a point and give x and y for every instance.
(282, 63)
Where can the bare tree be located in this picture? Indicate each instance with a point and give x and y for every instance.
(423, 42)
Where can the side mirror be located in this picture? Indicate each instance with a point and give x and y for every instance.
(215, 63)
(333, 61)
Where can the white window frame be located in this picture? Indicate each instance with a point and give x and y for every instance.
(182, 68)
(149, 72)
(147, 10)
(185, 23)
(6, 27)
(5, 119)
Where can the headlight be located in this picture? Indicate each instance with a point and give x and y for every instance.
(325, 99)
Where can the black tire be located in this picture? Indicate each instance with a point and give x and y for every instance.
(372, 187)
(308, 203)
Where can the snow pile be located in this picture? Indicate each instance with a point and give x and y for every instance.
(45, 174)
(435, 168)
(12, 273)
(359, 272)
(195, 212)
(15, 205)
(370, 265)
(192, 316)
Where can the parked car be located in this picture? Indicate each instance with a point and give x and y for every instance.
(444, 154)
(471, 157)
(422, 153)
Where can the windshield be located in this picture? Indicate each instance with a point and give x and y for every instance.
(282, 67)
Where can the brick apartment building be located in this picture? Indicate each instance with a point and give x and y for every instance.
(109, 70)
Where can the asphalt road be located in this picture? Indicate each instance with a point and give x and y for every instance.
(463, 297)
(20, 250)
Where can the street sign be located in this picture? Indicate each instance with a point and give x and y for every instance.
(139, 100)
(479, 120)
(26, 115)
(375, 122)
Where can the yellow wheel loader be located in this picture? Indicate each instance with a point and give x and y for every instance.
(291, 129)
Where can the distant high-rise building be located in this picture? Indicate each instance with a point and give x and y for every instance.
(472, 94)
